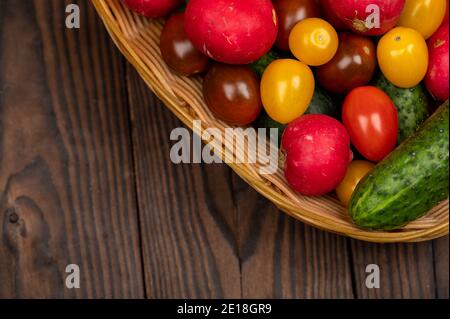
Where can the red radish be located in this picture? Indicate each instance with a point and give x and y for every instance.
(318, 152)
(437, 78)
(331, 16)
(153, 8)
(231, 31)
(361, 16)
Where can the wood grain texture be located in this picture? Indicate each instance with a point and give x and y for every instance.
(406, 270)
(66, 176)
(187, 214)
(86, 178)
(440, 249)
(283, 258)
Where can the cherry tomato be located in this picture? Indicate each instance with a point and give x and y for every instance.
(178, 51)
(289, 13)
(287, 88)
(403, 57)
(232, 93)
(372, 122)
(313, 41)
(356, 171)
(353, 65)
(424, 16)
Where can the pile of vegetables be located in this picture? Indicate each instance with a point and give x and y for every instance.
(351, 85)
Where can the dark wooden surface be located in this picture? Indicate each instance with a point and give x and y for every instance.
(85, 178)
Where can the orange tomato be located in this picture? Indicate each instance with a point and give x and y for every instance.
(424, 16)
(356, 171)
(313, 41)
(403, 57)
(287, 88)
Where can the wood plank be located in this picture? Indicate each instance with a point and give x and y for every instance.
(440, 250)
(187, 212)
(66, 174)
(406, 270)
(283, 258)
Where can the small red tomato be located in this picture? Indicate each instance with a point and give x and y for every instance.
(317, 149)
(232, 93)
(371, 119)
(289, 13)
(153, 8)
(437, 79)
(178, 51)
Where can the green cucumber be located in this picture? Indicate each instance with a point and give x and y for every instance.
(411, 104)
(265, 121)
(322, 103)
(260, 66)
(409, 182)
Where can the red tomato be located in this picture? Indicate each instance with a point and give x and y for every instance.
(372, 122)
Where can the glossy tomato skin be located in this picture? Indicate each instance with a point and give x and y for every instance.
(232, 93)
(353, 65)
(290, 12)
(356, 171)
(403, 57)
(371, 120)
(423, 16)
(178, 51)
(287, 88)
(313, 41)
(153, 8)
(437, 78)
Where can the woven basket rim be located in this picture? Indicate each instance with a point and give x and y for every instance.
(297, 212)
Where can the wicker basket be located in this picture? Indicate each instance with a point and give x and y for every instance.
(138, 39)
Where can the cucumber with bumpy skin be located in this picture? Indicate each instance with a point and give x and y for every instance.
(411, 105)
(409, 182)
(322, 103)
(260, 66)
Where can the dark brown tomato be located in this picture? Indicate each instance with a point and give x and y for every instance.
(353, 65)
(331, 16)
(289, 13)
(177, 50)
(232, 93)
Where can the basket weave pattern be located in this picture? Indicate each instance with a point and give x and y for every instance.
(138, 39)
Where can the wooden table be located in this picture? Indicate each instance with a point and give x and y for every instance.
(86, 179)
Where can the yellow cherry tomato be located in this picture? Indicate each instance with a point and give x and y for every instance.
(424, 16)
(403, 57)
(287, 87)
(355, 173)
(313, 41)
